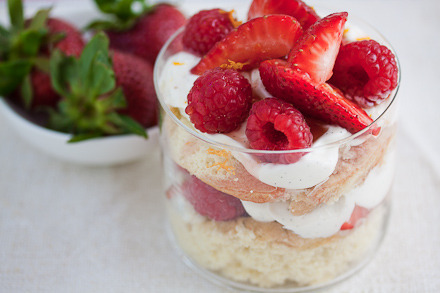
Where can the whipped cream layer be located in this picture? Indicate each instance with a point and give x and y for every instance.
(328, 218)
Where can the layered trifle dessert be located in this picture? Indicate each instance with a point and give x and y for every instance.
(278, 143)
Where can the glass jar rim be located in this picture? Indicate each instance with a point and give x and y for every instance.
(392, 97)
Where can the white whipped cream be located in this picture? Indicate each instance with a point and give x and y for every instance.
(176, 80)
(328, 218)
(313, 168)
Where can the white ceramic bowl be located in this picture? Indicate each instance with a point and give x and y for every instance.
(106, 151)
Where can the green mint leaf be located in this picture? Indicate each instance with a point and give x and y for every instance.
(26, 91)
(40, 19)
(12, 74)
(16, 14)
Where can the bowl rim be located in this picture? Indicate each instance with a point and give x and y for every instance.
(5, 105)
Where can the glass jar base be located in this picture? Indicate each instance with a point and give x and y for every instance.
(291, 287)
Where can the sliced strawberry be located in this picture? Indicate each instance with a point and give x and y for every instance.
(322, 102)
(358, 214)
(305, 14)
(316, 50)
(254, 41)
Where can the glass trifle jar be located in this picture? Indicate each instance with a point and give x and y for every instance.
(274, 220)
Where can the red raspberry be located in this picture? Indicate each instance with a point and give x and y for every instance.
(276, 125)
(210, 202)
(366, 72)
(219, 101)
(205, 29)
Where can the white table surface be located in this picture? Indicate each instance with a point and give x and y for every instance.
(68, 228)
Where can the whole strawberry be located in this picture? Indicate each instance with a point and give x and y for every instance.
(93, 99)
(24, 53)
(71, 44)
(143, 32)
(135, 76)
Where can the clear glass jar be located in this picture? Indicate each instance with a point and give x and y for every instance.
(258, 233)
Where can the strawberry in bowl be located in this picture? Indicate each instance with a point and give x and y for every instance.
(142, 31)
(78, 102)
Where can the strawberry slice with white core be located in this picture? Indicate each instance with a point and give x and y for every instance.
(305, 14)
(315, 52)
(322, 102)
(259, 39)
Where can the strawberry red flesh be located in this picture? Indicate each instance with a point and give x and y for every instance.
(296, 8)
(321, 102)
(316, 50)
(254, 41)
(358, 214)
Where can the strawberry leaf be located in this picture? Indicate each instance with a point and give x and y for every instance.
(90, 97)
(115, 101)
(126, 13)
(40, 19)
(122, 9)
(28, 43)
(83, 136)
(42, 63)
(12, 74)
(4, 42)
(63, 71)
(102, 77)
(16, 14)
(26, 91)
(129, 124)
(113, 25)
(96, 72)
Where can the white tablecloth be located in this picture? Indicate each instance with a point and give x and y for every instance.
(68, 228)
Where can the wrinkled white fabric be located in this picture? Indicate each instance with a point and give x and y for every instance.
(68, 228)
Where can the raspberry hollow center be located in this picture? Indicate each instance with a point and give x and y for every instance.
(277, 138)
(359, 76)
